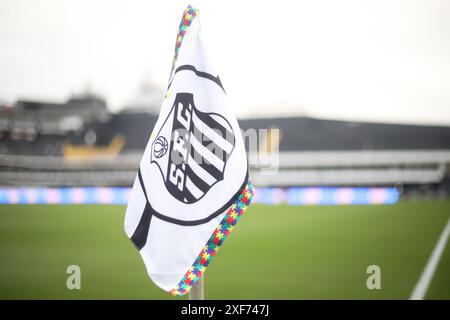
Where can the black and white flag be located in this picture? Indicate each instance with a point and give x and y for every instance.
(192, 185)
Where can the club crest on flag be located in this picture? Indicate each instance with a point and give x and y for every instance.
(191, 149)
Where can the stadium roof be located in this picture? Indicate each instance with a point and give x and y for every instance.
(300, 133)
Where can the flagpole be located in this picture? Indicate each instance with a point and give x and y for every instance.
(197, 292)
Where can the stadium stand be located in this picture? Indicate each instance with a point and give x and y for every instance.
(79, 143)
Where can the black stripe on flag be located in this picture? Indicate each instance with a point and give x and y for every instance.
(201, 74)
(211, 169)
(199, 183)
(210, 144)
(139, 237)
(189, 196)
(213, 124)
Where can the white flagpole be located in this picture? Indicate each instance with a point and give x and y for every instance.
(197, 292)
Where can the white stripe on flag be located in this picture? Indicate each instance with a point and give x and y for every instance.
(200, 172)
(212, 134)
(206, 153)
(196, 192)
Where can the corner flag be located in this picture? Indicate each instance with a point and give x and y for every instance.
(192, 184)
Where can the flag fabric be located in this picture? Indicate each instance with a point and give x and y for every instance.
(193, 184)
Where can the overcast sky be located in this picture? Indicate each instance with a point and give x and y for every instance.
(380, 60)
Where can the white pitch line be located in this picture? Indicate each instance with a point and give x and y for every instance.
(422, 285)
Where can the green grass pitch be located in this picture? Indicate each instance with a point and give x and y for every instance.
(275, 252)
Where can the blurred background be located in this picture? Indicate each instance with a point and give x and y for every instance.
(359, 92)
